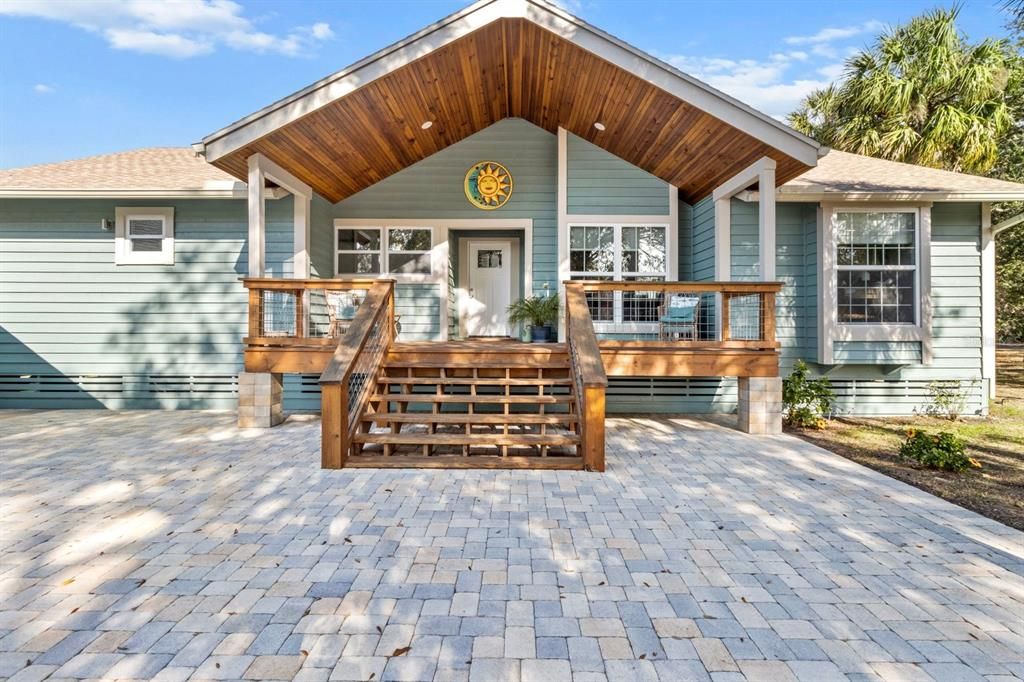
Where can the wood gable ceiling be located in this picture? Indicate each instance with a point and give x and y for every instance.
(508, 68)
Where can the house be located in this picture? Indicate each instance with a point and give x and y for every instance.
(508, 150)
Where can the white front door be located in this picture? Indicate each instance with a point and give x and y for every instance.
(489, 290)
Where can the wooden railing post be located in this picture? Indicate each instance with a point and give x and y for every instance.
(768, 315)
(255, 313)
(333, 425)
(300, 313)
(593, 439)
(725, 298)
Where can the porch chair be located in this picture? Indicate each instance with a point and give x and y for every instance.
(678, 319)
(341, 310)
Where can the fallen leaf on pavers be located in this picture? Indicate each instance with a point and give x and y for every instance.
(372, 675)
(217, 664)
(600, 583)
(643, 656)
(380, 630)
(402, 651)
(74, 610)
(68, 581)
(303, 652)
(348, 540)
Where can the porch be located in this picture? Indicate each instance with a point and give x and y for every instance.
(497, 402)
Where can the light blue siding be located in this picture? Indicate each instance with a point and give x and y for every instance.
(433, 188)
(889, 378)
(77, 330)
(602, 183)
(702, 256)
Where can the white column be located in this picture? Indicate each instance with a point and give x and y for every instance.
(257, 219)
(988, 300)
(766, 221)
(723, 240)
(562, 239)
(301, 264)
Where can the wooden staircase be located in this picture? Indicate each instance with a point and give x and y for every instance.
(472, 404)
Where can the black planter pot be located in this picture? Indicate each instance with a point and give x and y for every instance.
(540, 334)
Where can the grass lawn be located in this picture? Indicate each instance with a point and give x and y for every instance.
(995, 490)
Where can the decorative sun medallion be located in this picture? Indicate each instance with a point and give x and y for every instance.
(488, 185)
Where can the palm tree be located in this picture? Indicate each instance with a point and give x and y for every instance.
(920, 94)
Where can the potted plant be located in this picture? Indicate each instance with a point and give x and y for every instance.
(539, 312)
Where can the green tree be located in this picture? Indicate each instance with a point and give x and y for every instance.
(920, 94)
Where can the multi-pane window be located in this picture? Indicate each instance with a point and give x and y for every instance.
(624, 253)
(376, 250)
(409, 250)
(359, 251)
(876, 267)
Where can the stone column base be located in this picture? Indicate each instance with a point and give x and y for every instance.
(760, 405)
(260, 400)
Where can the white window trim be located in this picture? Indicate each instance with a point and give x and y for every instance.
(384, 252)
(617, 325)
(439, 256)
(123, 254)
(830, 329)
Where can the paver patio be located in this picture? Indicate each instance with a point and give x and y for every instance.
(170, 545)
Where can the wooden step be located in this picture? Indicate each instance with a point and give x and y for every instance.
(470, 362)
(462, 418)
(493, 439)
(476, 381)
(462, 462)
(476, 399)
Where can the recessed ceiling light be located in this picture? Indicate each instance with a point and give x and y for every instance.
(426, 124)
(599, 126)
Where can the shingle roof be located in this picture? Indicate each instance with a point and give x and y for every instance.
(150, 170)
(844, 173)
(154, 171)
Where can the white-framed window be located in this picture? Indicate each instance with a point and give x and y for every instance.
(623, 252)
(877, 266)
(143, 236)
(381, 250)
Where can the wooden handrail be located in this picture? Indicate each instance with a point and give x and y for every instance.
(285, 284)
(589, 378)
(376, 311)
(701, 287)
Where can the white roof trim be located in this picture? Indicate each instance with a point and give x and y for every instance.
(895, 195)
(236, 190)
(540, 12)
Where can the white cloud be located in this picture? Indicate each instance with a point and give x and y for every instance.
(42, 89)
(835, 34)
(767, 85)
(777, 83)
(172, 28)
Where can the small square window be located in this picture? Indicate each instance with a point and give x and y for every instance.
(144, 236)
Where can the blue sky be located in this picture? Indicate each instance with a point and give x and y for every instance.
(82, 77)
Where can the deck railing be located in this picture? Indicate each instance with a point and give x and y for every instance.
(685, 314)
(302, 311)
(349, 379)
(589, 379)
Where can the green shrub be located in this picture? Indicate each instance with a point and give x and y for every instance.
(944, 451)
(806, 401)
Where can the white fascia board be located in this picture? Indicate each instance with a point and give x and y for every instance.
(837, 197)
(238, 191)
(455, 26)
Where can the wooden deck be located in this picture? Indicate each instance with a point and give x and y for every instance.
(497, 403)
